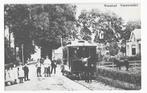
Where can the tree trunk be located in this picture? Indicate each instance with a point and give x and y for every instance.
(9, 38)
(22, 49)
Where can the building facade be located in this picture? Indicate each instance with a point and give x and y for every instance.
(133, 45)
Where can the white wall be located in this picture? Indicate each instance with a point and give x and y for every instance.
(129, 49)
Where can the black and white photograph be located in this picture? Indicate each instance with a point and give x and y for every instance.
(72, 46)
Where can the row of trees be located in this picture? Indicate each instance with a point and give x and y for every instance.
(45, 25)
(106, 27)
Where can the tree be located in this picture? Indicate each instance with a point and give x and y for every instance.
(52, 22)
(125, 35)
(113, 48)
(43, 24)
(9, 54)
(106, 26)
(129, 27)
(17, 19)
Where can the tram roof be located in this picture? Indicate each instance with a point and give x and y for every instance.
(81, 43)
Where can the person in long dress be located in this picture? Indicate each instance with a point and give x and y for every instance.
(11, 75)
(15, 74)
(7, 76)
(20, 74)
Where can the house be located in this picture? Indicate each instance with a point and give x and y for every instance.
(133, 45)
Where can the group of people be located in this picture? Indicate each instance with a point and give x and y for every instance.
(16, 74)
(45, 67)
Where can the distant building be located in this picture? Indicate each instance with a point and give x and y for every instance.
(133, 45)
(37, 54)
(57, 53)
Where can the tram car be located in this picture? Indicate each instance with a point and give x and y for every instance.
(73, 55)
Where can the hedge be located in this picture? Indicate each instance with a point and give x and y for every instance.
(119, 75)
(134, 58)
(118, 84)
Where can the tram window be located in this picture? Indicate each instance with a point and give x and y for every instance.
(73, 52)
(83, 52)
(92, 51)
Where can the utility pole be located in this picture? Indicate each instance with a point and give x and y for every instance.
(22, 46)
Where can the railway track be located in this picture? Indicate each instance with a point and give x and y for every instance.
(77, 81)
(94, 85)
(83, 85)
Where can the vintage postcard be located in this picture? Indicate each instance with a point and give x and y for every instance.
(72, 46)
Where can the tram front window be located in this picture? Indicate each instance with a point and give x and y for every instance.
(79, 52)
(74, 52)
(83, 52)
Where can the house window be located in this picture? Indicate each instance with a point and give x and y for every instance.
(133, 50)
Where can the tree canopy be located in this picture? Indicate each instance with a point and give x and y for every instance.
(44, 24)
(106, 26)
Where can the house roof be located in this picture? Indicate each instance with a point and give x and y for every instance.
(136, 33)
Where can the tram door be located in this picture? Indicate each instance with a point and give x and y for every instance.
(92, 51)
(74, 59)
(92, 54)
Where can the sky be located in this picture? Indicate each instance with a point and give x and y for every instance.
(128, 13)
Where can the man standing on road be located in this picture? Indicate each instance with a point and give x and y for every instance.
(53, 66)
(26, 72)
(86, 68)
(38, 65)
(47, 65)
